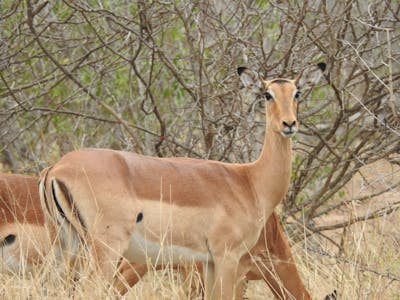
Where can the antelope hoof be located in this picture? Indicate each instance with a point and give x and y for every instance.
(332, 296)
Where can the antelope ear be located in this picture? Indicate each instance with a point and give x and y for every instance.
(310, 75)
(250, 79)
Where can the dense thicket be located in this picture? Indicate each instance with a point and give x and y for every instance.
(159, 78)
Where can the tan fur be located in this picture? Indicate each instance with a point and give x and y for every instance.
(193, 209)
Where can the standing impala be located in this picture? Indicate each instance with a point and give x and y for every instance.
(24, 241)
(177, 209)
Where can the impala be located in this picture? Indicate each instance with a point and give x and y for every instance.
(24, 241)
(177, 209)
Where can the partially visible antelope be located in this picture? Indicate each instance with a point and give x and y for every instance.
(182, 209)
(24, 241)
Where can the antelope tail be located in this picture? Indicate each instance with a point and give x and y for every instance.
(58, 205)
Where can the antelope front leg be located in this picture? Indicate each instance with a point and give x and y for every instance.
(225, 277)
(243, 268)
(209, 279)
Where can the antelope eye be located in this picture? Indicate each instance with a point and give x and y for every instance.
(268, 96)
(297, 95)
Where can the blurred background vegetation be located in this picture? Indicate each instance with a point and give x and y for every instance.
(159, 78)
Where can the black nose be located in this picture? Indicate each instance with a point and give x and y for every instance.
(289, 125)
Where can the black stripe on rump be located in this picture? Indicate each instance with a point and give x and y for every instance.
(60, 210)
(71, 203)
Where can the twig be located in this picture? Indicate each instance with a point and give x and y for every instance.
(355, 264)
(70, 76)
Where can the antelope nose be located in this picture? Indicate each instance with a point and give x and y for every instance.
(288, 124)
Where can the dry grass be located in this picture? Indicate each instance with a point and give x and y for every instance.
(369, 268)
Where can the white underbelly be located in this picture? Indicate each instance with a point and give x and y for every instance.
(141, 249)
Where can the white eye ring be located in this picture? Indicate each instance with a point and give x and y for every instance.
(268, 96)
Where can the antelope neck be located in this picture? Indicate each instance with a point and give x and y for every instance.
(270, 174)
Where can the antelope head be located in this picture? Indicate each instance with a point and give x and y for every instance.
(282, 96)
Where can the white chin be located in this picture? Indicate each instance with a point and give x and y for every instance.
(288, 134)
